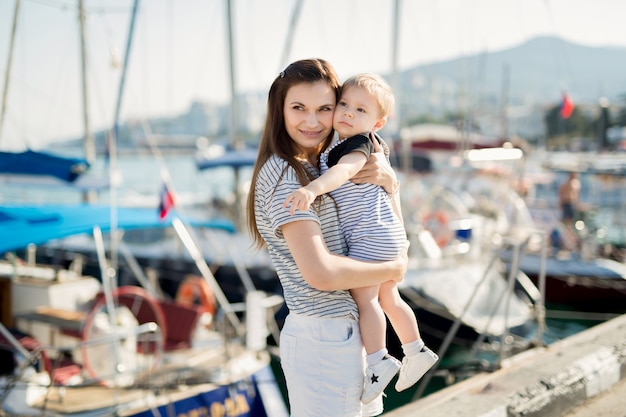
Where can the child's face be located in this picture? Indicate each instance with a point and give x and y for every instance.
(357, 112)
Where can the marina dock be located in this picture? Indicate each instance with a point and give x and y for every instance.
(543, 382)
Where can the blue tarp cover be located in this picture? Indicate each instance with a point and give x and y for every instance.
(42, 163)
(232, 158)
(22, 225)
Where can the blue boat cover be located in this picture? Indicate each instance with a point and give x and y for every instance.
(42, 164)
(231, 158)
(22, 225)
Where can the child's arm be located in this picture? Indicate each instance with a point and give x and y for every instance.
(346, 167)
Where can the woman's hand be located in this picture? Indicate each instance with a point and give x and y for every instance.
(378, 171)
(403, 262)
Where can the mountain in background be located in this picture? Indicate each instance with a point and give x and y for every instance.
(531, 75)
(529, 79)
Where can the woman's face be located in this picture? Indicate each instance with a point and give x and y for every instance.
(309, 115)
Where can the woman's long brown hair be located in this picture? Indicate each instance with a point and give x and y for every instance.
(274, 139)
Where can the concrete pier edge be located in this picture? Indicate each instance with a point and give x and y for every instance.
(541, 382)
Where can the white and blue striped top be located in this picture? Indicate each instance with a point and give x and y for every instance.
(366, 216)
(271, 189)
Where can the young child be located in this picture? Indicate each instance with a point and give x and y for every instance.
(373, 229)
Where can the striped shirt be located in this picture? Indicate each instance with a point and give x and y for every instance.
(271, 189)
(366, 216)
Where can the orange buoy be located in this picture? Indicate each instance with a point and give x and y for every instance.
(437, 223)
(194, 290)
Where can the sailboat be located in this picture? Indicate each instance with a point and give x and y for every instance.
(81, 345)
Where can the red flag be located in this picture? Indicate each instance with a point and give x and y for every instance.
(166, 202)
(567, 107)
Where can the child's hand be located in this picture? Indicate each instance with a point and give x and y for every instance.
(300, 199)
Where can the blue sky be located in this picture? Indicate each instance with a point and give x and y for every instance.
(179, 50)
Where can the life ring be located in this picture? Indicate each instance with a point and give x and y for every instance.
(436, 222)
(194, 290)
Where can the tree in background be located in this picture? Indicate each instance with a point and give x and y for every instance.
(590, 125)
(559, 129)
(621, 114)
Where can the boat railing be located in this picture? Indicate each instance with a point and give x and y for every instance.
(454, 328)
(519, 242)
(150, 331)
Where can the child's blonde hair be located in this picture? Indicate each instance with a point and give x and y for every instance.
(376, 86)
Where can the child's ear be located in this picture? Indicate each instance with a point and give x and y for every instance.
(379, 124)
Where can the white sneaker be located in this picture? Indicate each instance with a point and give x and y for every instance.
(378, 376)
(414, 367)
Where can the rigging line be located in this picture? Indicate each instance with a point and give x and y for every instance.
(430, 74)
(246, 30)
(470, 86)
(97, 96)
(55, 4)
(234, 121)
(7, 75)
(89, 145)
(58, 98)
(114, 134)
(560, 57)
(125, 67)
(69, 6)
(170, 53)
(324, 41)
(108, 9)
(53, 97)
(293, 23)
(144, 64)
(158, 156)
(395, 76)
(108, 34)
(208, 42)
(155, 150)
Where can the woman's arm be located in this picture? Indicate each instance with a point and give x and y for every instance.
(327, 271)
(395, 201)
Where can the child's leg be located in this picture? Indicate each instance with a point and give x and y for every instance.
(371, 318)
(400, 314)
(381, 368)
(418, 359)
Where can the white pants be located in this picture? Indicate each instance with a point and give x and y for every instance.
(323, 363)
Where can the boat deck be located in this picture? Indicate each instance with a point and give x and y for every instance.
(204, 371)
(81, 399)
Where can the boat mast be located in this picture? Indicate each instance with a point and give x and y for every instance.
(234, 123)
(394, 122)
(90, 148)
(109, 273)
(88, 141)
(504, 121)
(395, 28)
(7, 74)
(235, 140)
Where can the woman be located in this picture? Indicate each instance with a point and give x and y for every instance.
(320, 344)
